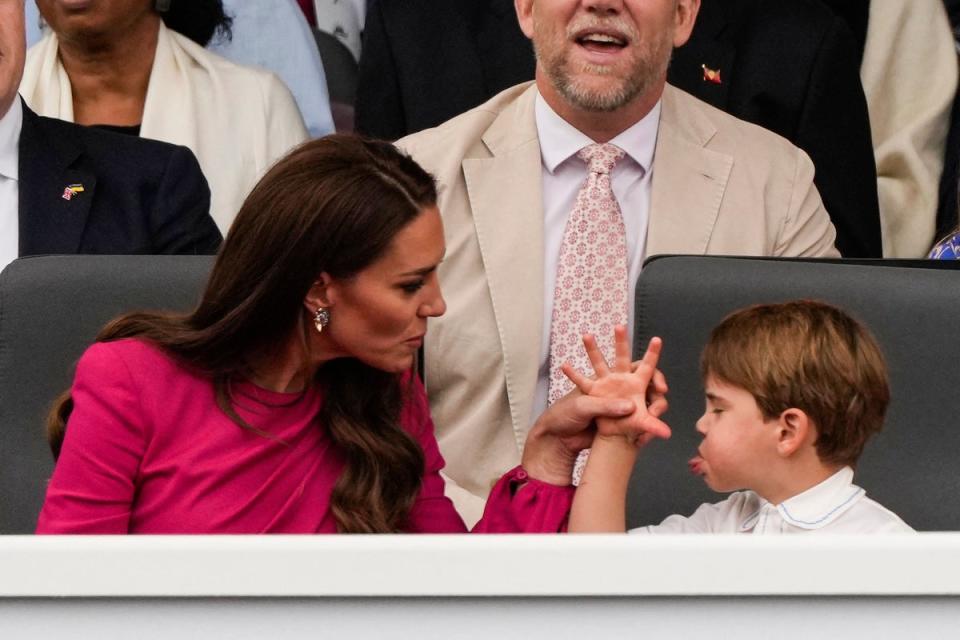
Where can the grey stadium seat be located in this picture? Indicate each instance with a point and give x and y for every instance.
(50, 310)
(912, 466)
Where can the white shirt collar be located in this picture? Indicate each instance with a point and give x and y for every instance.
(559, 139)
(10, 125)
(819, 505)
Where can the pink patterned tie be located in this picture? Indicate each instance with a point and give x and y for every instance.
(591, 288)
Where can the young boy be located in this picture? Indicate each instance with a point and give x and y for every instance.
(793, 391)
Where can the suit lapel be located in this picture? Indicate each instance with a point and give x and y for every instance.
(688, 181)
(50, 163)
(508, 216)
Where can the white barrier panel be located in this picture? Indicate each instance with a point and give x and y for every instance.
(495, 586)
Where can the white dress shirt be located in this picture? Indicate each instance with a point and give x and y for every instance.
(836, 505)
(10, 125)
(563, 176)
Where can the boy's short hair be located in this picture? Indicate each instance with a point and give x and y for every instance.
(810, 356)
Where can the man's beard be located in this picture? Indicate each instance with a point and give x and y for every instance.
(650, 67)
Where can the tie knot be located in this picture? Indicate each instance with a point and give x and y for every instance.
(601, 158)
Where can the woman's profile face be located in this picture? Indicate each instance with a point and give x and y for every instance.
(92, 18)
(379, 316)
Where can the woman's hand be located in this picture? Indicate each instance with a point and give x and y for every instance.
(641, 382)
(566, 427)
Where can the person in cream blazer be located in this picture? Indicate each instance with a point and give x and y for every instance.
(720, 186)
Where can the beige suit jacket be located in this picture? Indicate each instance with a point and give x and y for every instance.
(719, 186)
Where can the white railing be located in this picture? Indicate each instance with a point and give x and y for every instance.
(485, 586)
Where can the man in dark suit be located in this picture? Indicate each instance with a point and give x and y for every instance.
(426, 61)
(792, 67)
(65, 188)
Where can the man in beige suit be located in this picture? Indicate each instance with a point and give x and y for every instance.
(694, 180)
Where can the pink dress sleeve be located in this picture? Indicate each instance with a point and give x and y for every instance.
(93, 483)
(517, 503)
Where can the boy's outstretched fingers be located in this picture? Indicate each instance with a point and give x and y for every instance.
(657, 405)
(657, 391)
(652, 355)
(595, 355)
(654, 426)
(659, 382)
(621, 349)
(582, 382)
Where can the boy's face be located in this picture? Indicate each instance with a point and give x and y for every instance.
(739, 447)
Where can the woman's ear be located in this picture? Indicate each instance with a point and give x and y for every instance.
(794, 431)
(321, 294)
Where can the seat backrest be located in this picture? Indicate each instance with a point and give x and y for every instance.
(911, 467)
(340, 67)
(51, 308)
(342, 77)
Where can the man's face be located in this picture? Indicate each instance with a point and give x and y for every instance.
(739, 445)
(600, 55)
(13, 46)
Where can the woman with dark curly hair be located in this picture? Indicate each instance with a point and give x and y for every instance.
(139, 66)
(285, 402)
(199, 20)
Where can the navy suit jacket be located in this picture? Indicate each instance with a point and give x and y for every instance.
(793, 67)
(426, 61)
(139, 196)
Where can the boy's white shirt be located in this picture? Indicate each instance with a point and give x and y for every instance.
(836, 505)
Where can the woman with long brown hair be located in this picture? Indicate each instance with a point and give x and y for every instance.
(285, 401)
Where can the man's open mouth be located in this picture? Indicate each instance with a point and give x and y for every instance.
(601, 41)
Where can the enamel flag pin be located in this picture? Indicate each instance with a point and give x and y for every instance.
(71, 190)
(711, 75)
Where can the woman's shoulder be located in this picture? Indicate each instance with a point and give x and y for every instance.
(134, 354)
(230, 74)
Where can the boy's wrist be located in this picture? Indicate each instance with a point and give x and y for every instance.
(619, 441)
(608, 429)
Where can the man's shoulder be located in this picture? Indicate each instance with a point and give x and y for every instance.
(105, 148)
(461, 135)
(715, 129)
(750, 146)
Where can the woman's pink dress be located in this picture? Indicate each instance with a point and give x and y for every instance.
(147, 450)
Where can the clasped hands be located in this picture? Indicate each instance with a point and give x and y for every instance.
(622, 400)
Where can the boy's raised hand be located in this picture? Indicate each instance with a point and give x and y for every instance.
(640, 382)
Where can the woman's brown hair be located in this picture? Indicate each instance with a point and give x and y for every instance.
(332, 205)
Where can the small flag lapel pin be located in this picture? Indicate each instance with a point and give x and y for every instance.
(711, 75)
(72, 190)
